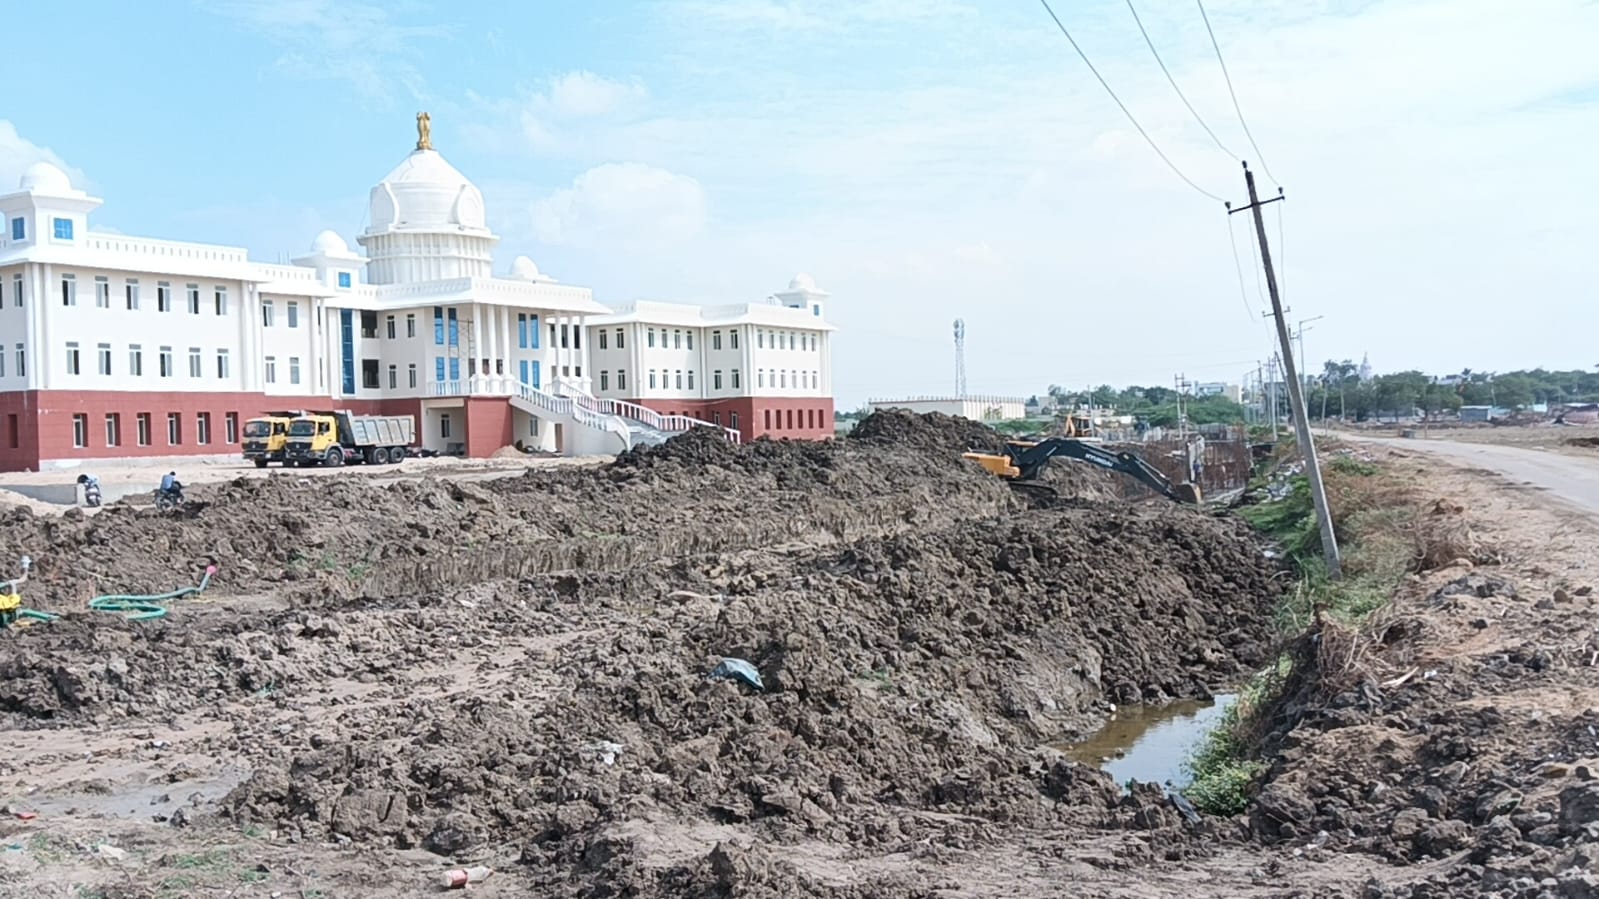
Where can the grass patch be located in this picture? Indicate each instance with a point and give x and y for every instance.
(208, 868)
(1221, 767)
(1386, 532)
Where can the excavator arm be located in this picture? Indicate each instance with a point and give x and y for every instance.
(1024, 462)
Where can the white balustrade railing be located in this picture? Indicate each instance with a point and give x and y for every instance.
(606, 415)
(476, 385)
(671, 424)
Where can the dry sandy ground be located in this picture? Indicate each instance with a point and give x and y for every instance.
(1544, 436)
(115, 475)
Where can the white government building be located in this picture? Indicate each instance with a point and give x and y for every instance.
(126, 347)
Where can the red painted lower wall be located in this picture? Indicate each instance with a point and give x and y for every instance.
(806, 418)
(37, 426)
(488, 425)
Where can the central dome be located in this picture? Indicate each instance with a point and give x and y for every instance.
(44, 178)
(426, 193)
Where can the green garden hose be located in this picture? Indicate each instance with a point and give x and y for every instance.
(137, 607)
(9, 617)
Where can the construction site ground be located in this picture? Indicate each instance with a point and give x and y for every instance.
(387, 680)
(1542, 436)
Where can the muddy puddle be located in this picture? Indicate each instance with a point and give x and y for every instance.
(1151, 743)
(141, 799)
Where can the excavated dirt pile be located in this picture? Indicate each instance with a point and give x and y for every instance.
(908, 679)
(466, 667)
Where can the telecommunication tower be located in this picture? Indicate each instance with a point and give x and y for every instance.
(960, 358)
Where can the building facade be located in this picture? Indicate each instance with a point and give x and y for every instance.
(975, 408)
(762, 369)
(117, 347)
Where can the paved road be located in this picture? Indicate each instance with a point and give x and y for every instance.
(1573, 479)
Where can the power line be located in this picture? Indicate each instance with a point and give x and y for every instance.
(1230, 92)
(1243, 294)
(1282, 254)
(1173, 81)
(1102, 83)
(1260, 287)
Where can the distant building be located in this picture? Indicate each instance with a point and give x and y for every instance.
(976, 408)
(1233, 392)
(1365, 367)
(121, 347)
(1585, 414)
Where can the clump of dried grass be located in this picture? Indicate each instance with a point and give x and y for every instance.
(1441, 534)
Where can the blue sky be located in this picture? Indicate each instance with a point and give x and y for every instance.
(923, 160)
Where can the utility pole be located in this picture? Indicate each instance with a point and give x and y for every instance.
(1181, 382)
(1271, 393)
(1296, 398)
(1299, 334)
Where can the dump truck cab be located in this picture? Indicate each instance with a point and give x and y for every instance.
(266, 438)
(313, 440)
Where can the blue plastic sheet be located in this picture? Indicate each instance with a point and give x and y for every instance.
(738, 669)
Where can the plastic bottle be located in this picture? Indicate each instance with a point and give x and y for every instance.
(458, 878)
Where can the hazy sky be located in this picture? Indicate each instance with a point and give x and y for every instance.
(923, 159)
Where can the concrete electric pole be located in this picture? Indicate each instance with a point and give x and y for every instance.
(1296, 397)
(1299, 335)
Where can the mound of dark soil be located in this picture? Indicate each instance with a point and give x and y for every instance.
(910, 682)
(930, 430)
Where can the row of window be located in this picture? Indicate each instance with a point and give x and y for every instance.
(784, 340)
(676, 380)
(782, 378)
(62, 228)
(269, 310)
(785, 419)
(684, 339)
(131, 295)
(165, 365)
(142, 429)
(809, 419)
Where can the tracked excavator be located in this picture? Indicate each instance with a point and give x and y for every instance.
(1023, 462)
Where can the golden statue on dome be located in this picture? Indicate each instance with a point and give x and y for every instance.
(424, 131)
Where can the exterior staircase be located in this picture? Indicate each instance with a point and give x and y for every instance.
(588, 433)
(648, 426)
(606, 427)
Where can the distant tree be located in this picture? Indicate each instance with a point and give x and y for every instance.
(1514, 391)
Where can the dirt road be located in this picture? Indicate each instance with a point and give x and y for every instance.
(1571, 480)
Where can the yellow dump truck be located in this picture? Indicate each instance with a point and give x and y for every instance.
(336, 438)
(266, 438)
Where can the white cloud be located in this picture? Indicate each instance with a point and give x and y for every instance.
(1411, 166)
(358, 42)
(625, 206)
(583, 94)
(17, 153)
(571, 115)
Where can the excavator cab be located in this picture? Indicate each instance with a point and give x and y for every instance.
(1023, 462)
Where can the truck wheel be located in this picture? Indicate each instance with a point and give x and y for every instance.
(334, 458)
(385, 455)
(375, 455)
(260, 463)
(397, 454)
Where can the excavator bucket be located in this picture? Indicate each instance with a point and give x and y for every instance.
(1186, 493)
